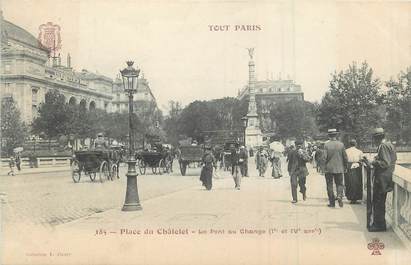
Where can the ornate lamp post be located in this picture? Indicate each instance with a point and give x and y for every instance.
(132, 202)
(245, 123)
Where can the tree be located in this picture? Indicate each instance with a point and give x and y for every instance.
(13, 129)
(54, 117)
(398, 103)
(294, 118)
(201, 118)
(352, 102)
(171, 125)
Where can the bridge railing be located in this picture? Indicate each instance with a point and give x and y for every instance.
(41, 162)
(398, 204)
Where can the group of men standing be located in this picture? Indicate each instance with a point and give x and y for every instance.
(340, 164)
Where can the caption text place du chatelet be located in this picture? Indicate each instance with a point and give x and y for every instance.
(186, 231)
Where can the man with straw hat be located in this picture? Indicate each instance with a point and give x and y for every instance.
(384, 165)
(335, 165)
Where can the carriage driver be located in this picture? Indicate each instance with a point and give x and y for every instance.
(100, 143)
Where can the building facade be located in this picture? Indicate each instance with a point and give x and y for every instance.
(120, 99)
(267, 93)
(28, 71)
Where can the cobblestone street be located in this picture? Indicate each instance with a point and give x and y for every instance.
(52, 198)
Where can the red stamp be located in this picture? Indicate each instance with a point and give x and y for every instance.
(49, 36)
(376, 246)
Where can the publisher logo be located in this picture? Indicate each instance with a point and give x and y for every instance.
(375, 246)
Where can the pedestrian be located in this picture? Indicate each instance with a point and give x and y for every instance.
(208, 161)
(335, 164)
(319, 158)
(18, 161)
(353, 176)
(261, 158)
(12, 162)
(243, 160)
(297, 159)
(384, 165)
(314, 162)
(251, 152)
(100, 143)
(276, 164)
(235, 164)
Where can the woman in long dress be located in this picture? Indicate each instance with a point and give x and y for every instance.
(353, 177)
(208, 162)
(276, 164)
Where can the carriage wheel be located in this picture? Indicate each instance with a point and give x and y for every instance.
(114, 172)
(92, 176)
(142, 167)
(183, 168)
(104, 172)
(161, 167)
(154, 169)
(75, 171)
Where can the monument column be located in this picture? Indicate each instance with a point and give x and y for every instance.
(252, 132)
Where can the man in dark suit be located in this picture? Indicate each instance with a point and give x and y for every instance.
(297, 158)
(384, 165)
(335, 164)
(243, 160)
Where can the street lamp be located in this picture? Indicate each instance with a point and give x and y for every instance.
(132, 202)
(245, 123)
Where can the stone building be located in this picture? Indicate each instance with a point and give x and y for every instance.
(120, 99)
(267, 93)
(28, 71)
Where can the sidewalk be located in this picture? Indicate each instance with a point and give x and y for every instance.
(256, 225)
(29, 171)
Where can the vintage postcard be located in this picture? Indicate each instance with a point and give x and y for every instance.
(203, 132)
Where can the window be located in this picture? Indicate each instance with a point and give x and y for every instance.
(34, 96)
(7, 68)
(34, 111)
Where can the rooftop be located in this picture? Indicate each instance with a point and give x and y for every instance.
(19, 34)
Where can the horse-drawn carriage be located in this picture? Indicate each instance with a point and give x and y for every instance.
(104, 163)
(226, 154)
(160, 160)
(189, 154)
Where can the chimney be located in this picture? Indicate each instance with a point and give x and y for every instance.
(59, 60)
(68, 60)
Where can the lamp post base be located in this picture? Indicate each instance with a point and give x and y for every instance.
(132, 201)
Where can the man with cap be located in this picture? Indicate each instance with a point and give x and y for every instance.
(100, 143)
(335, 164)
(297, 158)
(384, 165)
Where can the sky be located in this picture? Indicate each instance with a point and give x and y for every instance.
(183, 60)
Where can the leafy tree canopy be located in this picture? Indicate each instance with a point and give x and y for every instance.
(13, 129)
